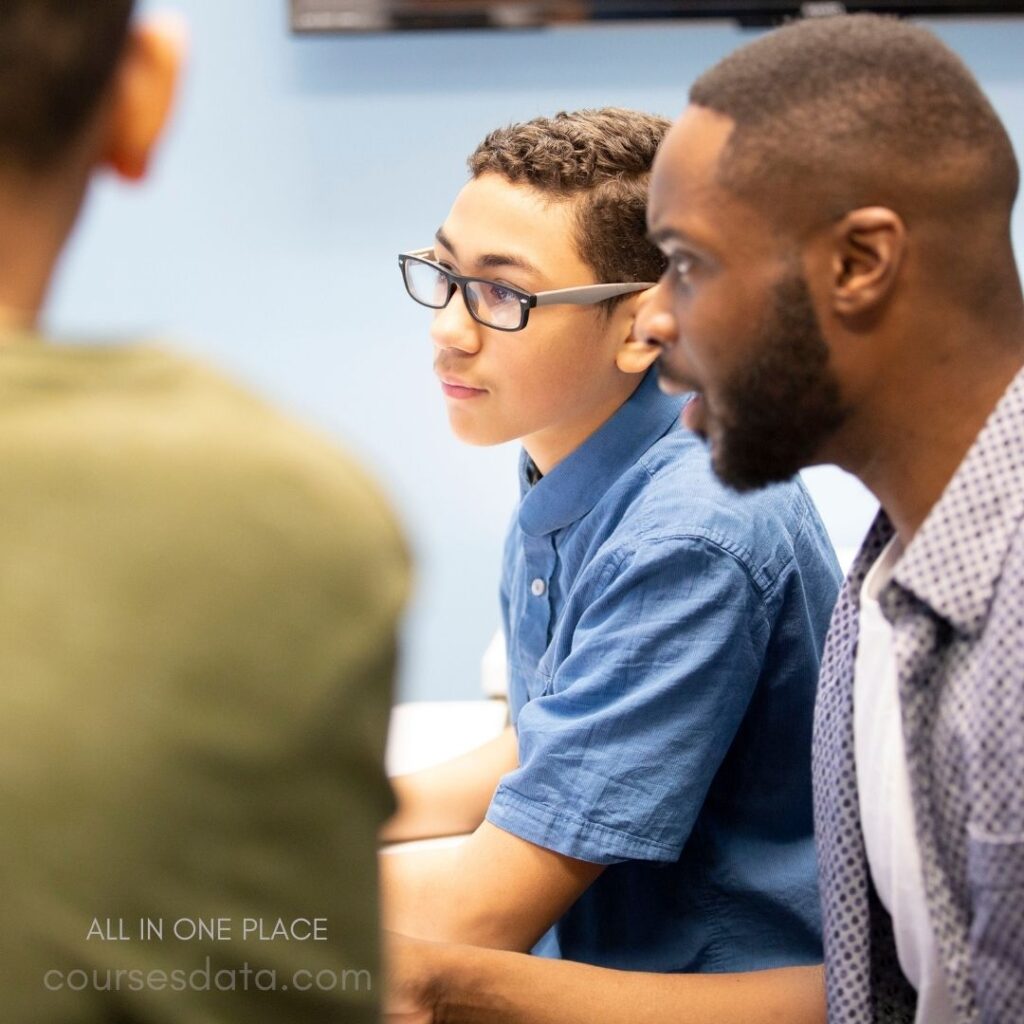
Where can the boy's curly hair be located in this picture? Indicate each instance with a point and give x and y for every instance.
(601, 159)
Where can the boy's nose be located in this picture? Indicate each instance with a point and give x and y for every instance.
(453, 327)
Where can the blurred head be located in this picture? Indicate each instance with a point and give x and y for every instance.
(834, 191)
(57, 59)
(80, 88)
(552, 203)
(66, 66)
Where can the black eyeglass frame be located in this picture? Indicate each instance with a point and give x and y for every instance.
(584, 295)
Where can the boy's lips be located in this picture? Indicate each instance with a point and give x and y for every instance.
(453, 388)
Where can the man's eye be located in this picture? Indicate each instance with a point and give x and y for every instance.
(682, 265)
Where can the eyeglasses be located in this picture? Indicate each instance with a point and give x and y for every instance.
(494, 305)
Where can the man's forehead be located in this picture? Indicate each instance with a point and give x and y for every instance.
(685, 173)
(702, 125)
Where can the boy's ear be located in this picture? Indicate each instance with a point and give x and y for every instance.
(143, 93)
(634, 355)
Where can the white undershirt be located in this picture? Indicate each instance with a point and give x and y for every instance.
(886, 811)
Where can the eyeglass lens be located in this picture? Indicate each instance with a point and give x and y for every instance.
(490, 303)
(426, 284)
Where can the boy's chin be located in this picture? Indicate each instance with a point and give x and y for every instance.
(477, 436)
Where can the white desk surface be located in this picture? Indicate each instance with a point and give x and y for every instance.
(425, 733)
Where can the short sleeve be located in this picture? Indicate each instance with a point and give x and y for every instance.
(617, 757)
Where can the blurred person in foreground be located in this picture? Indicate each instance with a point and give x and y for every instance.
(198, 605)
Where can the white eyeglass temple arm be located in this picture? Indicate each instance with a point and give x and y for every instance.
(590, 293)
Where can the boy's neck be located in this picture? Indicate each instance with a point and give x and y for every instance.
(552, 445)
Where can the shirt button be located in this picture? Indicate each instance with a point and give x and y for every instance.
(537, 587)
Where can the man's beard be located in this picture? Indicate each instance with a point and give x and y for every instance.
(772, 417)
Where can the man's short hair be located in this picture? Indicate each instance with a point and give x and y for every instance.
(56, 59)
(602, 160)
(853, 110)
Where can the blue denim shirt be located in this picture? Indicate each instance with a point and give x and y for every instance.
(664, 639)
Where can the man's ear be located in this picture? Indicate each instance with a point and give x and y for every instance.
(634, 355)
(868, 246)
(143, 93)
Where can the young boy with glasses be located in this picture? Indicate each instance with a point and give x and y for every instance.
(650, 806)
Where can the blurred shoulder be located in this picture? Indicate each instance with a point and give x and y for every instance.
(176, 440)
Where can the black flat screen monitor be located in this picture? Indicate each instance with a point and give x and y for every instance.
(412, 15)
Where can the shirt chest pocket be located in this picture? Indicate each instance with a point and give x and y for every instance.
(995, 873)
(995, 862)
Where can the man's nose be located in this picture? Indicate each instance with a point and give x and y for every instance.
(453, 327)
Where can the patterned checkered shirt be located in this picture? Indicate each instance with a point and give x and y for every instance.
(956, 605)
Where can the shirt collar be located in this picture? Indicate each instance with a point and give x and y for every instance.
(955, 559)
(879, 534)
(577, 483)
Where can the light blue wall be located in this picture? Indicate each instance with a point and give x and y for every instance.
(295, 171)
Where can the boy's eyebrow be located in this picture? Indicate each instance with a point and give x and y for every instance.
(491, 259)
(501, 259)
(440, 236)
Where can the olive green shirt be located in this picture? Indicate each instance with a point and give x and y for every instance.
(198, 605)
